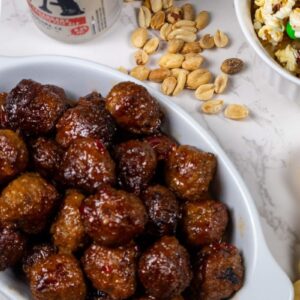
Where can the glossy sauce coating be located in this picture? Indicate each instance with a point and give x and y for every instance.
(136, 164)
(113, 217)
(204, 222)
(87, 165)
(3, 115)
(112, 270)
(13, 155)
(67, 230)
(189, 172)
(35, 108)
(46, 155)
(28, 200)
(164, 269)
(12, 245)
(133, 108)
(220, 273)
(163, 210)
(88, 118)
(57, 277)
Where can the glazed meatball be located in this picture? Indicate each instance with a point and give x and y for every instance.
(87, 119)
(161, 144)
(164, 269)
(57, 277)
(35, 108)
(133, 108)
(46, 156)
(13, 155)
(136, 164)
(220, 272)
(112, 270)
(163, 210)
(3, 115)
(67, 231)
(36, 254)
(189, 172)
(113, 217)
(28, 201)
(12, 246)
(87, 165)
(204, 222)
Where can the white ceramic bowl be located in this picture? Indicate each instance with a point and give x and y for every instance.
(264, 279)
(276, 76)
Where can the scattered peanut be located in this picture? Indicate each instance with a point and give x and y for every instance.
(167, 4)
(212, 106)
(174, 14)
(221, 82)
(193, 63)
(141, 57)
(165, 30)
(207, 42)
(232, 65)
(236, 112)
(175, 46)
(202, 20)
(181, 81)
(123, 70)
(140, 72)
(139, 37)
(156, 5)
(171, 60)
(168, 86)
(184, 23)
(188, 12)
(159, 75)
(158, 20)
(147, 3)
(205, 91)
(144, 17)
(192, 47)
(221, 39)
(152, 45)
(197, 78)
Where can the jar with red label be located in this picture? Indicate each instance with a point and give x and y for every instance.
(74, 20)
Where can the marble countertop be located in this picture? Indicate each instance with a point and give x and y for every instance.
(265, 147)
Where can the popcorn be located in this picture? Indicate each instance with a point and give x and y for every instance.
(270, 34)
(288, 58)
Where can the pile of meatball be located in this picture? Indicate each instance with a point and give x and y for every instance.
(98, 203)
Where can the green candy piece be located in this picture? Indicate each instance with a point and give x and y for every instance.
(290, 31)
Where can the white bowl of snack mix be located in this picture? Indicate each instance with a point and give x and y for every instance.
(272, 27)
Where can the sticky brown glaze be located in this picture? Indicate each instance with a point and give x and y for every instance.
(113, 217)
(220, 272)
(36, 254)
(12, 246)
(13, 155)
(94, 294)
(161, 144)
(163, 210)
(46, 156)
(57, 277)
(204, 222)
(28, 200)
(164, 269)
(136, 164)
(189, 172)
(133, 108)
(3, 115)
(89, 118)
(112, 270)
(87, 165)
(67, 230)
(35, 108)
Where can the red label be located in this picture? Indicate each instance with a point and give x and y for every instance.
(57, 20)
(80, 30)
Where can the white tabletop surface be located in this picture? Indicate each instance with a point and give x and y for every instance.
(265, 148)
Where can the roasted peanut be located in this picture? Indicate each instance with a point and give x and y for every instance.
(156, 5)
(123, 70)
(188, 12)
(152, 45)
(140, 72)
(197, 78)
(171, 61)
(159, 75)
(139, 37)
(207, 42)
(141, 57)
(212, 106)
(174, 14)
(232, 65)
(175, 46)
(184, 23)
(181, 81)
(165, 30)
(167, 4)
(221, 82)
(144, 17)
(202, 20)
(205, 91)
(192, 63)
(236, 112)
(221, 39)
(192, 47)
(158, 20)
(168, 86)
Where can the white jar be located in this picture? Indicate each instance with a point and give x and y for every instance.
(74, 21)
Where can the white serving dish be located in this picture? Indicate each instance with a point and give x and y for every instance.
(264, 279)
(276, 76)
